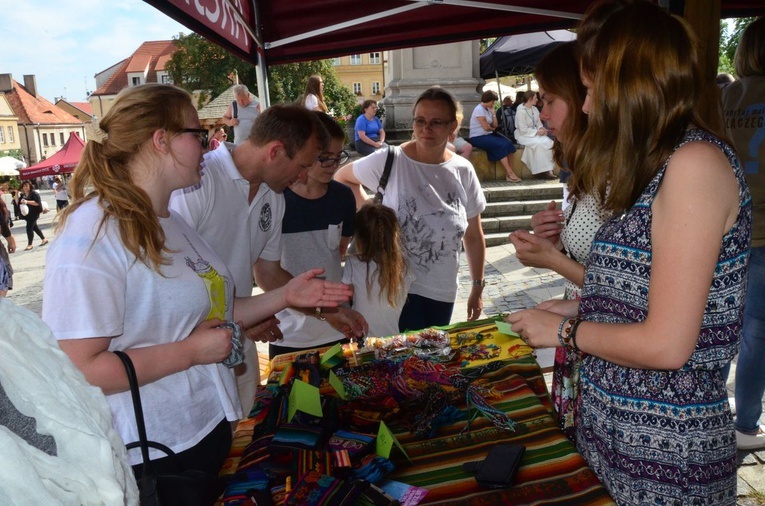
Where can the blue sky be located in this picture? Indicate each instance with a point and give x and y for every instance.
(64, 43)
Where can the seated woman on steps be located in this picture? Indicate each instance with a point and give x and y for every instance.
(483, 126)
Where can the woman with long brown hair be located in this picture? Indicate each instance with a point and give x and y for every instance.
(662, 302)
(125, 273)
(313, 98)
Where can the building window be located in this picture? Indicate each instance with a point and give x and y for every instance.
(357, 88)
(45, 140)
(10, 134)
(336, 61)
(355, 59)
(52, 139)
(61, 136)
(2, 136)
(374, 58)
(136, 81)
(375, 87)
(166, 79)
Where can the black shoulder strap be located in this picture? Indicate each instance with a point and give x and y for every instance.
(384, 178)
(138, 409)
(235, 109)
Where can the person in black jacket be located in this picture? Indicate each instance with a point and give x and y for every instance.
(33, 201)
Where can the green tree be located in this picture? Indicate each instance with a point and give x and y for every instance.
(201, 65)
(730, 34)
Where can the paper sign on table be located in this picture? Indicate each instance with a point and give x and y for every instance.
(506, 328)
(385, 440)
(332, 357)
(303, 397)
(337, 384)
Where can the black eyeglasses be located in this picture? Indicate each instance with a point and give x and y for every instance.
(201, 133)
(329, 162)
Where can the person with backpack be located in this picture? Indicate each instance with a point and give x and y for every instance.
(241, 113)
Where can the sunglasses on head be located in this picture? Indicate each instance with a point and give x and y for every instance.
(201, 133)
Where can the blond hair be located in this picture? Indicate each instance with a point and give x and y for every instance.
(313, 87)
(104, 172)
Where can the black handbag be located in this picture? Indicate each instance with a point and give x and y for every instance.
(187, 488)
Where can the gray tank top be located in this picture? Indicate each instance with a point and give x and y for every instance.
(246, 117)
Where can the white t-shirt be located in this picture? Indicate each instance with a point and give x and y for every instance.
(476, 130)
(433, 203)
(98, 289)
(218, 209)
(373, 304)
(311, 102)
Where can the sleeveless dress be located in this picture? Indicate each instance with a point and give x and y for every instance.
(662, 437)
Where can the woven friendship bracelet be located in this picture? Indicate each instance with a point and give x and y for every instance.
(569, 329)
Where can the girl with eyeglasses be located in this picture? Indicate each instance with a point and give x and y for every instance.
(125, 273)
(438, 200)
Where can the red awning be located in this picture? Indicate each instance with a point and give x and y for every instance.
(62, 162)
(297, 30)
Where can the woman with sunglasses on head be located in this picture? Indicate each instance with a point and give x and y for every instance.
(484, 135)
(316, 230)
(438, 200)
(662, 302)
(144, 282)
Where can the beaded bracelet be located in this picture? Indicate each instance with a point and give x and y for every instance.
(560, 332)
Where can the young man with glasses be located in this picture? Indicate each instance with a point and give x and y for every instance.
(238, 208)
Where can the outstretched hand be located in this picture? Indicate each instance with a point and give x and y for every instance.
(306, 290)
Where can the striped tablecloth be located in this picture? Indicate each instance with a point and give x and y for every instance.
(552, 471)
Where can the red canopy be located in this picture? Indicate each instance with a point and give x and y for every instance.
(63, 161)
(296, 30)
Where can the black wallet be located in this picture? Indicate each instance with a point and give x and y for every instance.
(498, 469)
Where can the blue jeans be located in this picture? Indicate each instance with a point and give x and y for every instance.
(750, 368)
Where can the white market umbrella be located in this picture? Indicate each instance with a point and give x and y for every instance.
(9, 166)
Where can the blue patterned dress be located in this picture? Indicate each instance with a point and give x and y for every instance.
(662, 437)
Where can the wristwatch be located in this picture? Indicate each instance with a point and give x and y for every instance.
(318, 314)
(479, 282)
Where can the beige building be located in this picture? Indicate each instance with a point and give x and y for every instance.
(80, 110)
(10, 145)
(145, 65)
(43, 128)
(363, 73)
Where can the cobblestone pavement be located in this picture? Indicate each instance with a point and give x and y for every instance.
(509, 287)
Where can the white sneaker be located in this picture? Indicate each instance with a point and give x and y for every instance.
(732, 404)
(750, 441)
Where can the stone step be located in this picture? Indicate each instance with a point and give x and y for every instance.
(510, 206)
(516, 208)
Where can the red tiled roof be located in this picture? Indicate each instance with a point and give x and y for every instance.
(149, 53)
(31, 109)
(84, 107)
